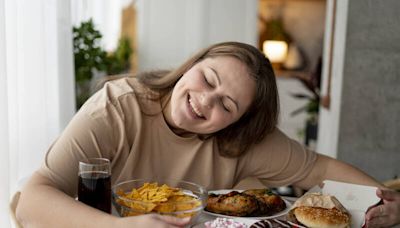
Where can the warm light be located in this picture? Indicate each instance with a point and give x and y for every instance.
(276, 51)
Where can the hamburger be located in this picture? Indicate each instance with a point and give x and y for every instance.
(319, 211)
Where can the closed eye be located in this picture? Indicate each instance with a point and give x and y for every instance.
(224, 106)
(207, 82)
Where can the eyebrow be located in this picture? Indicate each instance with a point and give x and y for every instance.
(219, 83)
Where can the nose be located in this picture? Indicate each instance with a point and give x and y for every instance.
(206, 100)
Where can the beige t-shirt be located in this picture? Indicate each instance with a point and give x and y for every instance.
(139, 143)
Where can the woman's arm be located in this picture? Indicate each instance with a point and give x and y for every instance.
(326, 168)
(42, 205)
(97, 130)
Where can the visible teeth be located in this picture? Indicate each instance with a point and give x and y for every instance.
(195, 108)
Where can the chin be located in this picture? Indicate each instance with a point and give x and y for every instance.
(195, 130)
(204, 132)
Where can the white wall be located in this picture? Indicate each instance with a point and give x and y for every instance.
(170, 31)
(328, 131)
(292, 126)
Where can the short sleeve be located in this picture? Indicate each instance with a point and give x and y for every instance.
(278, 160)
(95, 131)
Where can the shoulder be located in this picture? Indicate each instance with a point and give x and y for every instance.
(112, 91)
(274, 139)
(125, 95)
(279, 160)
(275, 144)
(281, 149)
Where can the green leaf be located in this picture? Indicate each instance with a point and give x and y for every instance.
(89, 56)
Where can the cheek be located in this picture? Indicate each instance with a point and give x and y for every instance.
(179, 86)
(221, 119)
(177, 101)
(184, 85)
(193, 77)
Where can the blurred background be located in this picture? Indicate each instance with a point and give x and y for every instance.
(336, 64)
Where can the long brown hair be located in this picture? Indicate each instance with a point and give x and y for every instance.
(262, 116)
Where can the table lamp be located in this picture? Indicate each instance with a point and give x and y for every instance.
(276, 51)
(275, 42)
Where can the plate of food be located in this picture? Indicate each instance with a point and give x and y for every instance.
(252, 204)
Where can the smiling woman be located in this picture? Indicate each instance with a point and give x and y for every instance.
(139, 114)
(181, 124)
(231, 66)
(205, 101)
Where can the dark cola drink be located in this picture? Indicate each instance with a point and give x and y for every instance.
(94, 189)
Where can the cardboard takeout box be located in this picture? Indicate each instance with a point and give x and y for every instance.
(355, 198)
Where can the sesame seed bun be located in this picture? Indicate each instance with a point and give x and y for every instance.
(317, 217)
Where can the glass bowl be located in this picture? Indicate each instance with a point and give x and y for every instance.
(188, 204)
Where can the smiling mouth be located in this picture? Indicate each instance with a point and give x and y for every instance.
(193, 109)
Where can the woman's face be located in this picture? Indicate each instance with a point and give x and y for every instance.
(211, 95)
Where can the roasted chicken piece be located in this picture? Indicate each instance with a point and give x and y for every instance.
(272, 202)
(233, 203)
(253, 202)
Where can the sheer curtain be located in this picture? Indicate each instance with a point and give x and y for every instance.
(36, 87)
(4, 165)
(37, 80)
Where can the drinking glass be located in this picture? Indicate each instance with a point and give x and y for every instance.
(94, 186)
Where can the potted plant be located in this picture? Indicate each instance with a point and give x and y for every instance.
(88, 56)
(91, 59)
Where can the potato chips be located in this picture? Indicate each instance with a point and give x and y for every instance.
(158, 199)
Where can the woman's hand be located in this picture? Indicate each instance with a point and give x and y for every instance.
(386, 214)
(153, 220)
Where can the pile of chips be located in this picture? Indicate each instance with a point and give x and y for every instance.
(159, 199)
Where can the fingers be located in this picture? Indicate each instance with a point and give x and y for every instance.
(375, 212)
(174, 220)
(387, 194)
(380, 221)
(386, 214)
(383, 215)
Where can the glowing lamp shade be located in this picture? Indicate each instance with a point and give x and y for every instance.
(275, 50)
